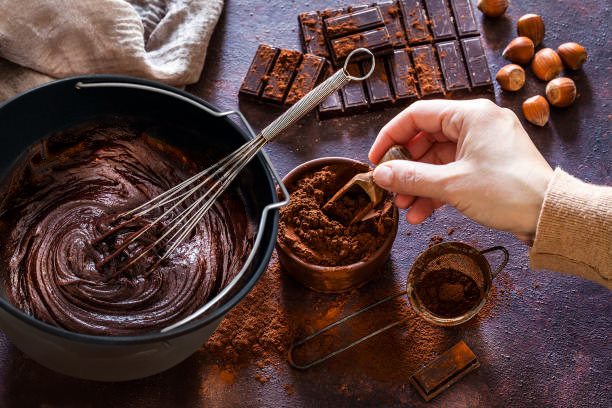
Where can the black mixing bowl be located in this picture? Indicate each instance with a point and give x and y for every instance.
(56, 106)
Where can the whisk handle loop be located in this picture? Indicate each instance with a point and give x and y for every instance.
(313, 98)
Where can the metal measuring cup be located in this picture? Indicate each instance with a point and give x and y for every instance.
(456, 255)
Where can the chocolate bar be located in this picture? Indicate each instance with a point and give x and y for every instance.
(390, 13)
(402, 76)
(441, 20)
(476, 62)
(282, 76)
(446, 54)
(377, 84)
(453, 68)
(444, 371)
(256, 79)
(427, 70)
(307, 77)
(415, 21)
(465, 21)
(350, 23)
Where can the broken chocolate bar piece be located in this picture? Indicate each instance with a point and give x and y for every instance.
(444, 371)
(476, 62)
(465, 21)
(308, 75)
(350, 23)
(353, 94)
(402, 75)
(391, 15)
(377, 84)
(415, 21)
(256, 77)
(428, 72)
(453, 68)
(376, 40)
(311, 24)
(281, 75)
(441, 20)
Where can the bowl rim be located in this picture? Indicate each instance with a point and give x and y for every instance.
(319, 162)
(196, 324)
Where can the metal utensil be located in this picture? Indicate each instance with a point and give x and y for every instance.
(205, 187)
(463, 257)
(365, 182)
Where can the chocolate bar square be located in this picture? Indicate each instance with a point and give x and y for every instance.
(390, 13)
(332, 106)
(350, 23)
(441, 20)
(476, 62)
(281, 75)
(444, 371)
(353, 94)
(465, 21)
(311, 24)
(376, 40)
(453, 68)
(402, 75)
(379, 90)
(256, 78)
(427, 70)
(308, 75)
(415, 21)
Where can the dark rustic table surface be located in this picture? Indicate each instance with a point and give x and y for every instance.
(542, 340)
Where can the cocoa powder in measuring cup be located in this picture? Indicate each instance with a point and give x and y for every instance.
(325, 239)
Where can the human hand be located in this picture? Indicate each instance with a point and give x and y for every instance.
(472, 155)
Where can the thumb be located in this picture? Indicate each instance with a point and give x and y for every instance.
(414, 178)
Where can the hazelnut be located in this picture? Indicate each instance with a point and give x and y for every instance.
(492, 8)
(531, 26)
(536, 110)
(572, 54)
(546, 64)
(520, 50)
(561, 92)
(511, 77)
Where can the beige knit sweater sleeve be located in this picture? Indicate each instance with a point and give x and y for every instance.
(574, 233)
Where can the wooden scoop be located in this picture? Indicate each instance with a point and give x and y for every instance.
(365, 182)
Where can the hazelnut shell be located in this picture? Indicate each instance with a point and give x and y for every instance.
(536, 110)
(561, 92)
(511, 77)
(492, 8)
(520, 50)
(572, 54)
(531, 26)
(546, 64)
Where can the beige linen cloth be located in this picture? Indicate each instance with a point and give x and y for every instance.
(163, 40)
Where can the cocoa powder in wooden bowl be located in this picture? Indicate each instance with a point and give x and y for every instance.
(321, 251)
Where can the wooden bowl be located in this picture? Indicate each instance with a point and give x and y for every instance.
(334, 279)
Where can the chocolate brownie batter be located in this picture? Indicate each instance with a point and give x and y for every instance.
(60, 197)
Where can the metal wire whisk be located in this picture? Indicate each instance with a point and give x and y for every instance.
(213, 181)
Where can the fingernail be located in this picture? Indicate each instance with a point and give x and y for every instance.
(383, 176)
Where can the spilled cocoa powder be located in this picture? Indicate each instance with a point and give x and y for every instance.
(324, 239)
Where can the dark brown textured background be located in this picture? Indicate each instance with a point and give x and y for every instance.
(543, 339)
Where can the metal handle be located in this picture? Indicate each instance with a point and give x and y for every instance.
(348, 346)
(315, 97)
(504, 262)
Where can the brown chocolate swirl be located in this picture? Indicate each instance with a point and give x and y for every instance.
(56, 202)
